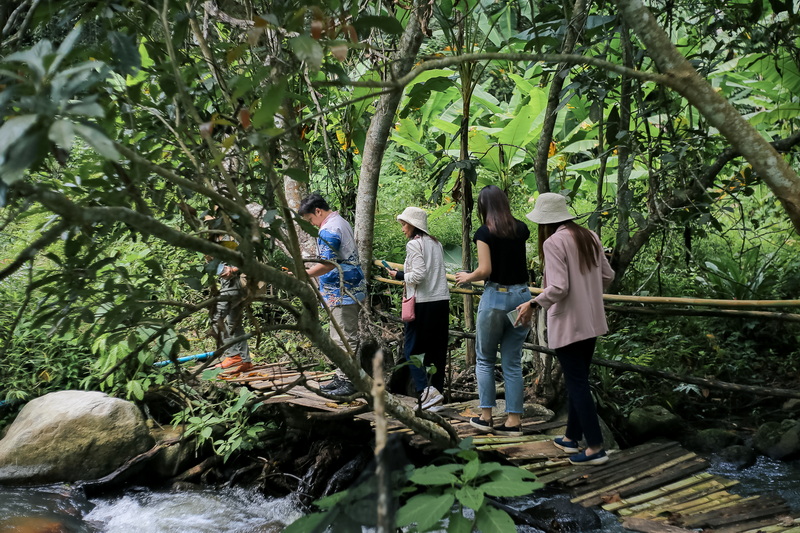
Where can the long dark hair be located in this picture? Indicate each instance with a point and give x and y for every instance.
(588, 248)
(495, 211)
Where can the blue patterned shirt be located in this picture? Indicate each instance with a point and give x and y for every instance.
(337, 243)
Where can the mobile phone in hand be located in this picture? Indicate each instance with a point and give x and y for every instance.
(386, 265)
(512, 316)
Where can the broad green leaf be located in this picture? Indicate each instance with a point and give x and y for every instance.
(87, 109)
(470, 471)
(509, 489)
(308, 50)
(425, 510)
(459, 524)
(125, 53)
(65, 48)
(13, 129)
(488, 468)
(24, 153)
(329, 501)
(579, 146)
(435, 475)
(471, 497)
(494, 520)
(97, 140)
(34, 57)
(389, 25)
(312, 522)
(510, 473)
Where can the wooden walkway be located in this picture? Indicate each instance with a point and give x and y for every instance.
(655, 487)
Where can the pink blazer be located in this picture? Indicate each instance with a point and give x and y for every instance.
(574, 301)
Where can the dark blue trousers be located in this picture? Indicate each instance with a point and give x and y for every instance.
(582, 421)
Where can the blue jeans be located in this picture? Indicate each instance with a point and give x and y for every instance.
(495, 329)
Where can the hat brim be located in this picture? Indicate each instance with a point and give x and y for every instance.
(537, 218)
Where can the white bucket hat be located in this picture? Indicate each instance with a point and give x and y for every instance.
(416, 217)
(550, 208)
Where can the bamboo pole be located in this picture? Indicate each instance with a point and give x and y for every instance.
(611, 298)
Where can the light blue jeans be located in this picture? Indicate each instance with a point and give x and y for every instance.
(495, 329)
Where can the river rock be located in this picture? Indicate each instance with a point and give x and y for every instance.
(71, 436)
(712, 440)
(652, 421)
(562, 515)
(739, 456)
(792, 405)
(779, 440)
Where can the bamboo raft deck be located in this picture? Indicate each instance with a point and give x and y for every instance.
(654, 487)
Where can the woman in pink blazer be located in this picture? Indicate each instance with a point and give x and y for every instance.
(575, 274)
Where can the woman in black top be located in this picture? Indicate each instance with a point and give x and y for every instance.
(503, 264)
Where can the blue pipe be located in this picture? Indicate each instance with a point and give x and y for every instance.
(197, 357)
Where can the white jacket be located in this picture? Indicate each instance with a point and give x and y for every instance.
(423, 270)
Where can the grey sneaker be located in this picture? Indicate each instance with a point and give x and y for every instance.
(333, 384)
(430, 397)
(345, 389)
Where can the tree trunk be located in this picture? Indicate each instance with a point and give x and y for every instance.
(378, 135)
(684, 79)
(574, 28)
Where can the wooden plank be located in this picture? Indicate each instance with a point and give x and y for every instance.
(692, 492)
(529, 450)
(622, 482)
(629, 468)
(753, 526)
(648, 526)
(659, 492)
(753, 508)
(621, 457)
(669, 475)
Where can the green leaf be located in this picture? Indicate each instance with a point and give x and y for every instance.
(297, 174)
(329, 501)
(435, 475)
(62, 133)
(425, 510)
(308, 50)
(124, 53)
(509, 489)
(312, 522)
(34, 57)
(387, 24)
(494, 520)
(87, 109)
(510, 473)
(488, 468)
(471, 470)
(471, 497)
(98, 141)
(459, 524)
(13, 129)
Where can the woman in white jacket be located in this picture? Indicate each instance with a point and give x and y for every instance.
(424, 276)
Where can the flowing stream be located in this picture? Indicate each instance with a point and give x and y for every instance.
(59, 509)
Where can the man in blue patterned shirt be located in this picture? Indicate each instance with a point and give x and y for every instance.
(341, 281)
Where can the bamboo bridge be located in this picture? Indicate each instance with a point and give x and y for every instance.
(654, 487)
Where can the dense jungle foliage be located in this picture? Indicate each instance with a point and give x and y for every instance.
(124, 124)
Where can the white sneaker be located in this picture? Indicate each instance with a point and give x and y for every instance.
(431, 397)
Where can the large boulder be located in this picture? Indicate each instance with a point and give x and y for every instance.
(71, 436)
(653, 421)
(712, 440)
(562, 515)
(779, 440)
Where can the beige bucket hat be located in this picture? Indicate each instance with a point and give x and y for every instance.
(416, 217)
(550, 208)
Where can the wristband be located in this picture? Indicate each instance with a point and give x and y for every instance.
(533, 304)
